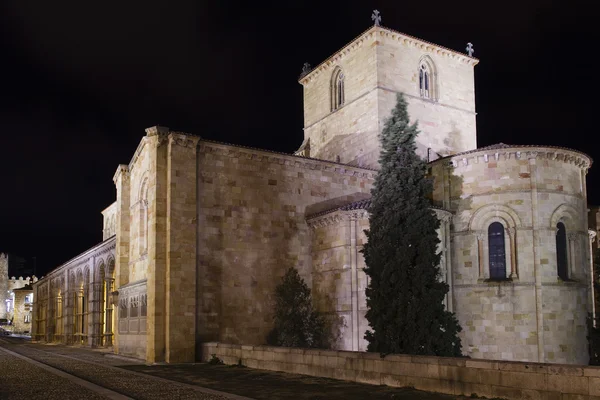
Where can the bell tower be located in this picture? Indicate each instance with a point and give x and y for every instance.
(348, 97)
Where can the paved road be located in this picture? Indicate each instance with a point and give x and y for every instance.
(32, 372)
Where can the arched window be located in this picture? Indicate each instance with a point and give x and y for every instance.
(562, 263)
(497, 251)
(427, 79)
(424, 80)
(337, 89)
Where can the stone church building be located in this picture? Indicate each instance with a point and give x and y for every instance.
(202, 231)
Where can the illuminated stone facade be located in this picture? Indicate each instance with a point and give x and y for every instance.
(203, 231)
(73, 304)
(7, 286)
(23, 310)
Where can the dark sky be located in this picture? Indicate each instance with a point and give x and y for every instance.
(81, 82)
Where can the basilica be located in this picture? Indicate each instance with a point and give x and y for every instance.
(201, 232)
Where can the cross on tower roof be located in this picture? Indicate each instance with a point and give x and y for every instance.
(470, 49)
(376, 17)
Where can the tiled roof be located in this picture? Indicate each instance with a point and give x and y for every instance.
(500, 146)
(357, 205)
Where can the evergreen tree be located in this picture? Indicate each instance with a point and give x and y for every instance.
(593, 335)
(297, 324)
(405, 295)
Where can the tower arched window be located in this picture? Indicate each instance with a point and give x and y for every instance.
(337, 89)
(427, 79)
(497, 251)
(562, 261)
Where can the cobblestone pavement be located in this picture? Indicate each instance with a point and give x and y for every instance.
(27, 379)
(21, 380)
(134, 379)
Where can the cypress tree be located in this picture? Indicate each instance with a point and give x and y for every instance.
(405, 295)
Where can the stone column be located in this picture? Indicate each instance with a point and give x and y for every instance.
(181, 252)
(69, 322)
(108, 329)
(58, 332)
(34, 313)
(354, 280)
(537, 270)
(592, 296)
(480, 255)
(94, 315)
(450, 277)
(79, 316)
(573, 272)
(123, 185)
(157, 143)
(512, 233)
(3, 284)
(50, 314)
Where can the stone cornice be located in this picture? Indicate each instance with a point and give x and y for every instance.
(183, 140)
(443, 215)
(378, 31)
(229, 150)
(335, 218)
(516, 152)
(107, 246)
(109, 208)
(492, 192)
(137, 153)
(427, 46)
(122, 170)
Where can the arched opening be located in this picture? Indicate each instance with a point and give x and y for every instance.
(427, 79)
(497, 251)
(337, 89)
(109, 318)
(81, 311)
(562, 260)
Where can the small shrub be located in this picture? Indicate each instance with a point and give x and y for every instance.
(214, 360)
(297, 324)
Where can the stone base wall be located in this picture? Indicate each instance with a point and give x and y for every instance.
(456, 376)
(133, 345)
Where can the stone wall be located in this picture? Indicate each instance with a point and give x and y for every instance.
(3, 284)
(339, 281)
(252, 206)
(533, 314)
(454, 376)
(23, 310)
(447, 120)
(109, 218)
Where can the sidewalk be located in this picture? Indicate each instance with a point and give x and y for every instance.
(259, 384)
(242, 381)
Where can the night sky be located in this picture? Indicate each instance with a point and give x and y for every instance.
(80, 83)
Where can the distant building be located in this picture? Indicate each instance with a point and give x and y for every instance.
(15, 272)
(23, 307)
